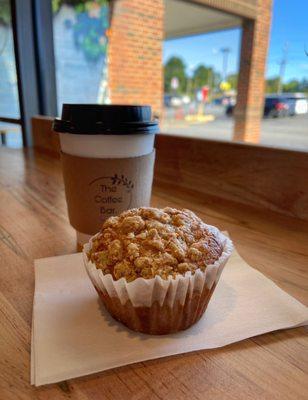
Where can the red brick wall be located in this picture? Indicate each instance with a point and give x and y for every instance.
(251, 84)
(135, 53)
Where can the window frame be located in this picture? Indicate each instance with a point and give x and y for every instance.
(35, 63)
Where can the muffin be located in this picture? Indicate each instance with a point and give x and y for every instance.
(156, 269)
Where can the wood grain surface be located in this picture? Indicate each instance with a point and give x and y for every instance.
(43, 136)
(263, 177)
(34, 224)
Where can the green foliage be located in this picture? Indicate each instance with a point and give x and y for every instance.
(55, 4)
(85, 6)
(203, 76)
(295, 86)
(80, 5)
(5, 12)
(175, 67)
(292, 86)
(232, 79)
(272, 85)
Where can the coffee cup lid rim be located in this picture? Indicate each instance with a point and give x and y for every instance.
(96, 119)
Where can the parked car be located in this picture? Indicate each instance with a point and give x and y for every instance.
(298, 103)
(175, 100)
(274, 107)
(167, 100)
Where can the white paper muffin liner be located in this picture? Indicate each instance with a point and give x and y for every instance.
(144, 292)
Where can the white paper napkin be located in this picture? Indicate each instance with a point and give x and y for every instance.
(73, 335)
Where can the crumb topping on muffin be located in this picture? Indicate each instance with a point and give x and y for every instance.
(145, 242)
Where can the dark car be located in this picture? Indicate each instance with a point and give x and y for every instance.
(167, 100)
(273, 107)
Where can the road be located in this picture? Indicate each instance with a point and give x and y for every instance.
(288, 132)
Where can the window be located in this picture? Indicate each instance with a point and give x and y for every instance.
(200, 84)
(203, 63)
(9, 103)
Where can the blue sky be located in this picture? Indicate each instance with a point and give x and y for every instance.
(289, 28)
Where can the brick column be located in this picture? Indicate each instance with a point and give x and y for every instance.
(251, 82)
(135, 53)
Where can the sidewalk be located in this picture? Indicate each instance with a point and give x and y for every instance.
(289, 132)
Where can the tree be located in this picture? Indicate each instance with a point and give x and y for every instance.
(272, 85)
(291, 86)
(202, 76)
(232, 79)
(175, 67)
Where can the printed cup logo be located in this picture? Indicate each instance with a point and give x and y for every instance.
(111, 195)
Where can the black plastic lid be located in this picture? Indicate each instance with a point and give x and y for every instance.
(97, 119)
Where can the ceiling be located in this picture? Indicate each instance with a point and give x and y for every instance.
(184, 18)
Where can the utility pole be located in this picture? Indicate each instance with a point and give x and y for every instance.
(225, 55)
(282, 67)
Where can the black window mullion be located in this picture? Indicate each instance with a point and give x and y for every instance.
(45, 59)
(35, 64)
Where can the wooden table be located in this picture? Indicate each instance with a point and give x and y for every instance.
(34, 224)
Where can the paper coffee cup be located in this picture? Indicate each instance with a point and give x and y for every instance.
(107, 160)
